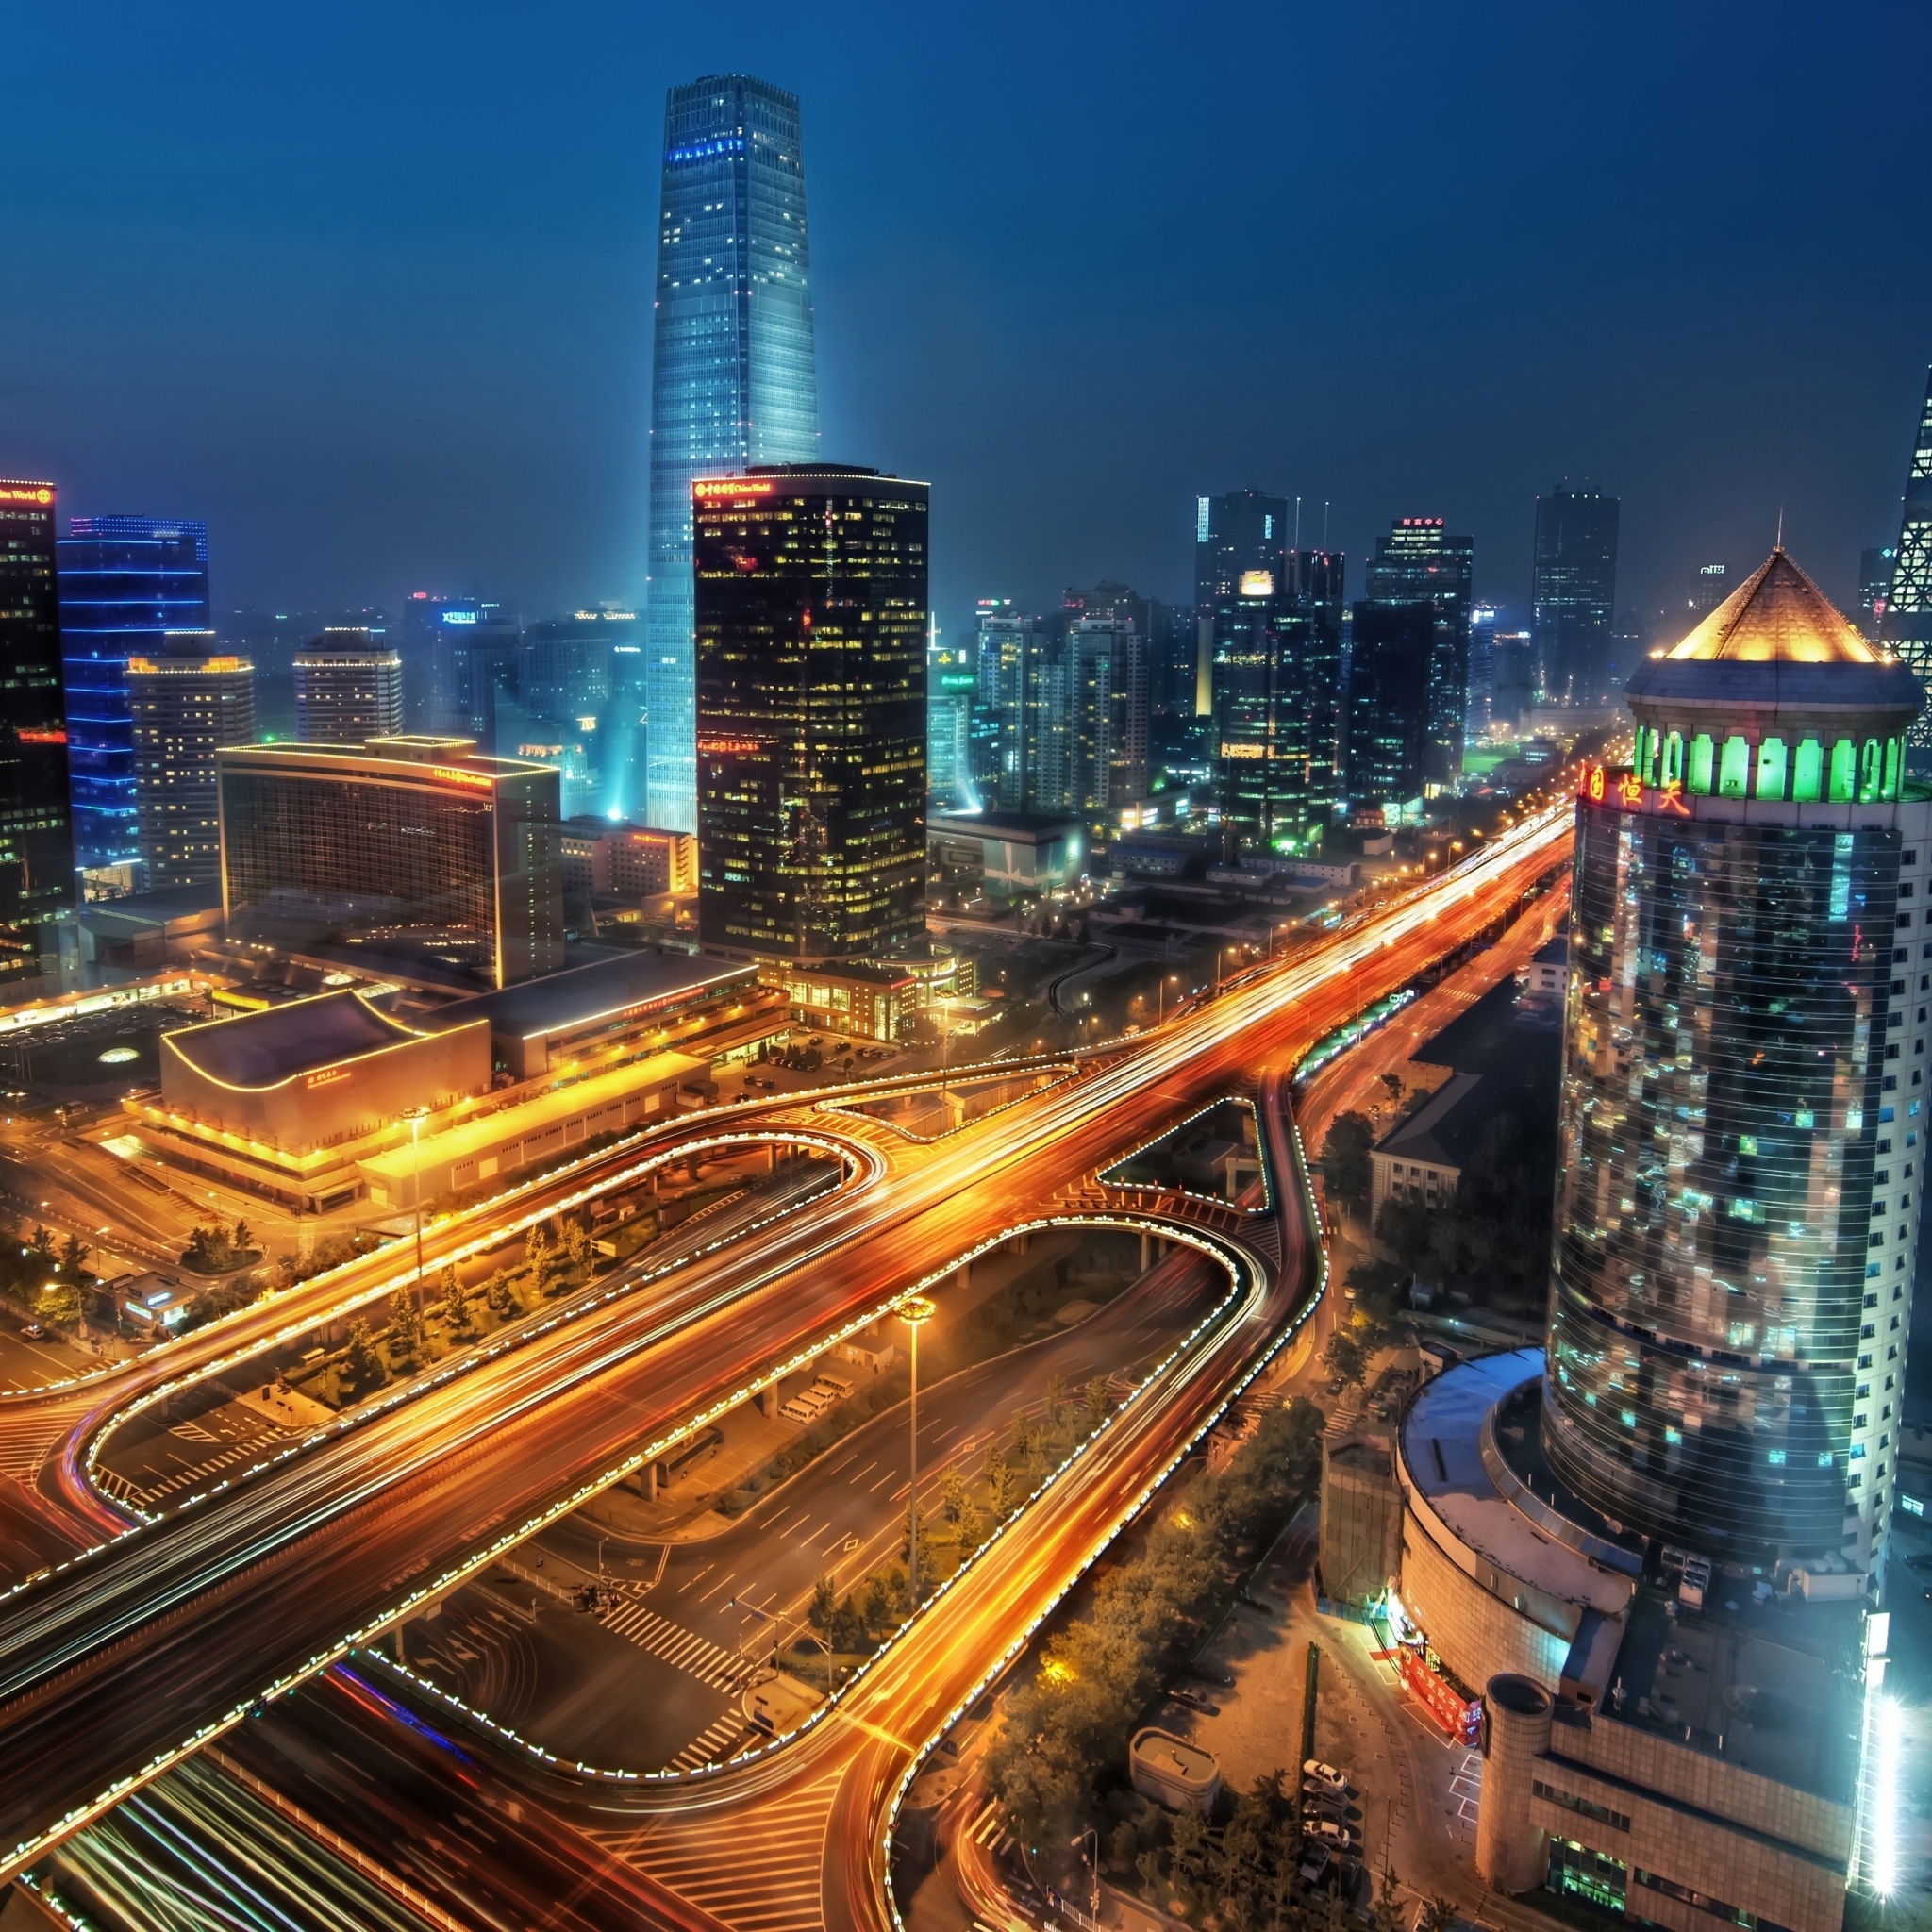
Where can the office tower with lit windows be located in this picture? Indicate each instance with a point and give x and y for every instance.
(37, 876)
(1319, 582)
(476, 658)
(416, 857)
(1908, 623)
(734, 379)
(1745, 1092)
(124, 582)
(187, 701)
(348, 687)
(1709, 585)
(951, 686)
(1478, 711)
(1512, 680)
(1418, 559)
(1022, 700)
(811, 620)
(1572, 590)
(1393, 704)
(1239, 537)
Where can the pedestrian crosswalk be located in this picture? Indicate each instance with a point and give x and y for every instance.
(697, 1656)
(145, 1494)
(28, 1438)
(712, 1745)
(781, 1890)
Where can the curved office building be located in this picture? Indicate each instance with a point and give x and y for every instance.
(1745, 1092)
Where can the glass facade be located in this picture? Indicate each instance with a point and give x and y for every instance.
(1389, 671)
(1572, 590)
(734, 379)
(184, 708)
(1269, 800)
(1908, 623)
(124, 582)
(811, 640)
(1731, 1083)
(36, 828)
(1417, 559)
(412, 851)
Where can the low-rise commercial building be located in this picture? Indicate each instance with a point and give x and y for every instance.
(1016, 853)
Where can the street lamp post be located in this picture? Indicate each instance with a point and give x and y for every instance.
(915, 1311)
(1088, 1845)
(415, 1119)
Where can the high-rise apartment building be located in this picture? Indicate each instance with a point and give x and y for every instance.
(1908, 604)
(734, 379)
(187, 701)
(1022, 700)
(1418, 559)
(414, 856)
(125, 581)
(1573, 594)
(1320, 580)
(348, 687)
(1479, 711)
(1393, 702)
(810, 651)
(1745, 1093)
(36, 880)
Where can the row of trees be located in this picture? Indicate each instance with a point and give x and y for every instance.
(1065, 1734)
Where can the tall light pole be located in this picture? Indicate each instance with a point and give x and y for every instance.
(415, 1120)
(915, 1311)
(1172, 979)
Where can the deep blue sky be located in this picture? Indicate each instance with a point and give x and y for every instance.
(368, 287)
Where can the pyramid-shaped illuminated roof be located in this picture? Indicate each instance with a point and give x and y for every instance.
(1777, 616)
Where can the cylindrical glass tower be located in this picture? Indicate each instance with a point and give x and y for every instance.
(1743, 1091)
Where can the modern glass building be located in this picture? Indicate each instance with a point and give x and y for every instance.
(36, 828)
(734, 379)
(409, 857)
(1907, 624)
(811, 636)
(1572, 590)
(1418, 559)
(1745, 1092)
(1394, 654)
(125, 581)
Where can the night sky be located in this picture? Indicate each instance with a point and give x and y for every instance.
(368, 287)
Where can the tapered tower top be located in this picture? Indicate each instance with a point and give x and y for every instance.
(1777, 616)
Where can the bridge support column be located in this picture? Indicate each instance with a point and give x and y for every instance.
(767, 1399)
(963, 1279)
(648, 1478)
(1145, 1244)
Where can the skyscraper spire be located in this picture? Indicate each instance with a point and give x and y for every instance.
(733, 378)
(1907, 624)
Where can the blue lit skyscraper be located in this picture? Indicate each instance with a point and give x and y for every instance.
(733, 380)
(124, 582)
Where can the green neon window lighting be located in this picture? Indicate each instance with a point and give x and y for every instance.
(1808, 771)
(1734, 768)
(1892, 760)
(1770, 769)
(1703, 759)
(1870, 769)
(1844, 772)
(1674, 759)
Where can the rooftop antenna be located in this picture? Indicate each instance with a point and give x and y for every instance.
(1780, 543)
(1324, 524)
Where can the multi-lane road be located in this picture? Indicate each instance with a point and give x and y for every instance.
(118, 1665)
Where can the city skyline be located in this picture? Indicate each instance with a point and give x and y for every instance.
(524, 412)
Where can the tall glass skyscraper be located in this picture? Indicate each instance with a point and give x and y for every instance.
(124, 582)
(1908, 623)
(1572, 590)
(1417, 558)
(1745, 1092)
(734, 380)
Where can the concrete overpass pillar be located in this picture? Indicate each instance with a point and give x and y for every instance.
(1145, 1244)
(963, 1278)
(767, 1399)
(649, 1474)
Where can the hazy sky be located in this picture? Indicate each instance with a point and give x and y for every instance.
(368, 287)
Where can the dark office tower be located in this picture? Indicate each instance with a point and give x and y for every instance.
(1238, 538)
(1875, 585)
(36, 828)
(811, 631)
(1271, 804)
(348, 687)
(475, 659)
(1512, 680)
(125, 581)
(1909, 605)
(1391, 709)
(577, 703)
(1744, 1094)
(1572, 590)
(1418, 559)
(187, 700)
(734, 380)
(1709, 585)
(1320, 581)
(1480, 709)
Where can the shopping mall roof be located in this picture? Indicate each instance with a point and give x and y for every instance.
(257, 1051)
(628, 986)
